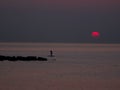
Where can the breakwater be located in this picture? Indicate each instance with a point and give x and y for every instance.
(22, 58)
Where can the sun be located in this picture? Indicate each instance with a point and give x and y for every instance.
(95, 34)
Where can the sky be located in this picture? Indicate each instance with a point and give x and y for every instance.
(67, 21)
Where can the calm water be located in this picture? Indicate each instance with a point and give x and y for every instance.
(77, 67)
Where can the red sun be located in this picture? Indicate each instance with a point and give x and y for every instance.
(95, 34)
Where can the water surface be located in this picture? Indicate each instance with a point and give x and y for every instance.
(77, 67)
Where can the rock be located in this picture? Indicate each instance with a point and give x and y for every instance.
(21, 58)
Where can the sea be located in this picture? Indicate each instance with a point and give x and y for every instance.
(76, 66)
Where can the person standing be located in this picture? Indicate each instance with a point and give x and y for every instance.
(51, 53)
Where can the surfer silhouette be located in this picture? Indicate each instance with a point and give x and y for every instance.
(51, 53)
(51, 56)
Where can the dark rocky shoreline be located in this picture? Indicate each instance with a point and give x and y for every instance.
(21, 58)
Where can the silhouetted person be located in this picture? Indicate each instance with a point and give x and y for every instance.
(51, 53)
